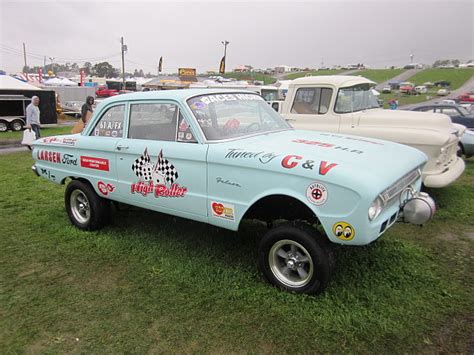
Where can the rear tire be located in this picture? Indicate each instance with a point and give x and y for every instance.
(3, 126)
(16, 125)
(295, 257)
(86, 210)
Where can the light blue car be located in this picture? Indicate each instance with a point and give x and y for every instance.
(223, 156)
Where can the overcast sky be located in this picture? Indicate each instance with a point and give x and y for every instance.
(263, 34)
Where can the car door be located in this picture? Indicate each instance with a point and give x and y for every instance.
(96, 149)
(161, 165)
(311, 109)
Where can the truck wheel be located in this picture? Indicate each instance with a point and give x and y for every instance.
(3, 126)
(296, 258)
(16, 125)
(86, 210)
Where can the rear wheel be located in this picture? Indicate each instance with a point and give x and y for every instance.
(297, 258)
(3, 126)
(16, 125)
(85, 208)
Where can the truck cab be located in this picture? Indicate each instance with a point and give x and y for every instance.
(347, 105)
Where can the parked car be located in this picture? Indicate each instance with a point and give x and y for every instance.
(458, 113)
(421, 89)
(407, 89)
(103, 91)
(443, 92)
(386, 90)
(442, 83)
(468, 97)
(467, 144)
(346, 104)
(72, 108)
(222, 156)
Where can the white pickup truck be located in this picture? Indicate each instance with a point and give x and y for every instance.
(347, 105)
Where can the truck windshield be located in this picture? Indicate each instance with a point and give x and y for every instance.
(355, 98)
(231, 115)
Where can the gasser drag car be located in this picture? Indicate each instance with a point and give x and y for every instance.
(221, 156)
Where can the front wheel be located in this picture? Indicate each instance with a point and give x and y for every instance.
(86, 210)
(296, 258)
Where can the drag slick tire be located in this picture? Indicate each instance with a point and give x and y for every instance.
(86, 210)
(296, 257)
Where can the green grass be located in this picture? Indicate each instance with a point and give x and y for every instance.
(379, 75)
(457, 77)
(52, 131)
(313, 73)
(155, 283)
(267, 79)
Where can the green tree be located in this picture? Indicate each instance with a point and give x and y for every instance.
(104, 69)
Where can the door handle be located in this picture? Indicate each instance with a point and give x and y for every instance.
(122, 147)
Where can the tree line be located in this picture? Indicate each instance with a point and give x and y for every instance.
(102, 69)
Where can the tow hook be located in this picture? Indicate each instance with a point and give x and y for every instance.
(417, 208)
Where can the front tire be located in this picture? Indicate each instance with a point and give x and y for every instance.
(86, 210)
(295, 257)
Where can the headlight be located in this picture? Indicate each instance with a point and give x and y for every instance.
(375, 209)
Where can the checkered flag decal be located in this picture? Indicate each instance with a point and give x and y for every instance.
(165, 168)
(142, 166)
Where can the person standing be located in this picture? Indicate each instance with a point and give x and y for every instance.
(87, 109)
(33, 116)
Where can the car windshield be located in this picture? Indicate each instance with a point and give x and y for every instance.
(355, 98)
(231, 115)
(269, 94)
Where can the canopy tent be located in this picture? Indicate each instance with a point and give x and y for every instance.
(53, 82)
(9, 83)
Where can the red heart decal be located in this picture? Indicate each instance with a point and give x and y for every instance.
(218, 208)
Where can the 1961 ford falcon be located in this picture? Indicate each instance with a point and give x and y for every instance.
(223, 156)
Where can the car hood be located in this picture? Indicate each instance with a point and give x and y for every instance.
(405, 119)
(341, 159)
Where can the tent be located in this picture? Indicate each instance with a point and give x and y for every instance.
(9, 83)
(67, 82)
(53, 82)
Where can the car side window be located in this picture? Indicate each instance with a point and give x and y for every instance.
(153, 121)
(312, 101)
(185, 133)
(450, 111)
(111, 123)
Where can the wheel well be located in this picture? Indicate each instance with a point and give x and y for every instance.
(63, 181)
(275, 207)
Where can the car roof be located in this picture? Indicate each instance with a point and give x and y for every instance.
(182, 94)
(337, 80)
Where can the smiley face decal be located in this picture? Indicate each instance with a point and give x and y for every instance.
(343, 231)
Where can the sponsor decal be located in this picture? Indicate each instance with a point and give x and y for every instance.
(262, 157)
(105, 188)
(52, 157)
(156, 178)
(343, 231)
(228, 97)
(59, 140)
(292, 161)
(359, 139)
(220, 180)
(46, 173)
(317, 193)
(95, 163)
(327, 145)
(223, 210)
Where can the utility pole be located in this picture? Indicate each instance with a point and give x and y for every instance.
(124, 48)
(24, 54)
(225, 43)
(52, 59)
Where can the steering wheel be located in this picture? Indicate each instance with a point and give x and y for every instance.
(253, 127)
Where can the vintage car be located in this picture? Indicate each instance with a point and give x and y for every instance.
(346, 104)
(223, 156)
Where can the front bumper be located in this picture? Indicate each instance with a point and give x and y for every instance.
(447, 177)
(35, 170)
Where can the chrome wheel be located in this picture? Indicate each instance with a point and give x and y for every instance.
(80, 206)
(291, 263)
(3, 127)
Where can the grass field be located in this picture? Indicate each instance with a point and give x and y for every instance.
(15, 136)
(153, 283)
(457, 77)
(313, 73)
(267, 79)
(379, 75)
